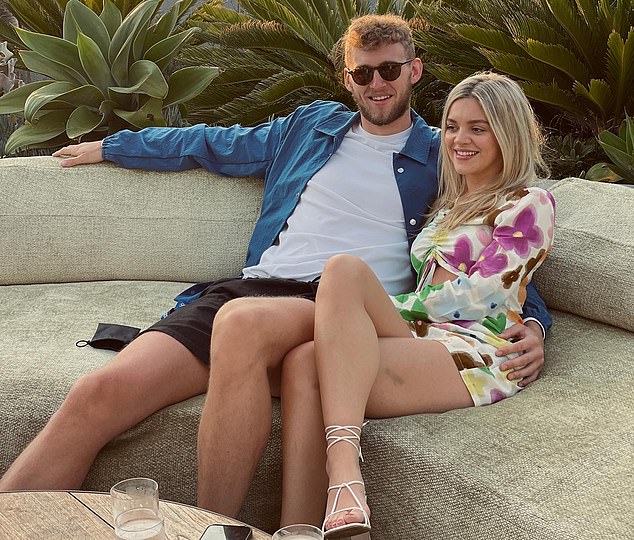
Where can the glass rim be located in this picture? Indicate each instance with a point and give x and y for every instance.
(117, 489)
(289, 529)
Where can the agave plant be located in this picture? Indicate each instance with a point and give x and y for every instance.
(577, 56)
(278, 54)
(47, 16)
(620, 150)
(106, 74)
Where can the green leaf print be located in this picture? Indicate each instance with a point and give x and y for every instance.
(496, 325)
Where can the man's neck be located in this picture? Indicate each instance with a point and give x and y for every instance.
(398, 126)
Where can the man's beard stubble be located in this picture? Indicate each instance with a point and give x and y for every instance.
(399, 108)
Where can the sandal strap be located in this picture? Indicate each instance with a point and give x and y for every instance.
(351, 437)
(340, 488)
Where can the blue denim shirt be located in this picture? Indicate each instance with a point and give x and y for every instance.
(286, 152)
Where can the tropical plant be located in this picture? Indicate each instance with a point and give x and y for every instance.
(106, 74)
(620, 149)
(47, 16)
(576, 56)
(276, 55)
(567, 156)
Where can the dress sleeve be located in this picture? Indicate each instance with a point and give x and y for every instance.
(522, 235)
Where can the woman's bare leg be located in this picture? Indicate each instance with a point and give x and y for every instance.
(352, 313)
(304, 480)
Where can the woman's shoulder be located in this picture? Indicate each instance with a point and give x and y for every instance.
(528, 195)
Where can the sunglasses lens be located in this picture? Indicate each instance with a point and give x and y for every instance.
(389, 72)
(362, 75)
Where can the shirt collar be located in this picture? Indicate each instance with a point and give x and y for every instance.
(417, 147)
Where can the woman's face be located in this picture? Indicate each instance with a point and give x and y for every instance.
(472, 147)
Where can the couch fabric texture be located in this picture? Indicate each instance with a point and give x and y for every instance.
(102, 244)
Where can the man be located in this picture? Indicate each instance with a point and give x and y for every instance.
(335, 181)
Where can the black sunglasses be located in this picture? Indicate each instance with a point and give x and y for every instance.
(390, 71)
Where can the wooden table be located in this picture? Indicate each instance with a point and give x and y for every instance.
(83, 515)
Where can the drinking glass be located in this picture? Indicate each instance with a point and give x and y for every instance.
(299, 532)
(135, 509)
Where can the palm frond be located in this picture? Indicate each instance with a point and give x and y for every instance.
(560, 58)
(620, 69)
(489, 38)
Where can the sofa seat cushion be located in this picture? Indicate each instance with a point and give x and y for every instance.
(551, 463)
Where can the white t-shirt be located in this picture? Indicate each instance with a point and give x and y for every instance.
(352, 205)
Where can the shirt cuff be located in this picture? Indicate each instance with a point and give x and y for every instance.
(540, 325)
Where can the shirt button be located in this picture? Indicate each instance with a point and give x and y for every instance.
(400, 169)
(412, 221)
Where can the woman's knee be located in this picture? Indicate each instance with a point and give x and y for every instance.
(342, 275)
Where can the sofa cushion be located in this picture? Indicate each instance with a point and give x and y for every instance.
(551, 463)
(589, 270)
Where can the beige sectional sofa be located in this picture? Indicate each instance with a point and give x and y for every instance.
(101, 244)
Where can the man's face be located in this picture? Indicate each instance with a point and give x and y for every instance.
(384, 105)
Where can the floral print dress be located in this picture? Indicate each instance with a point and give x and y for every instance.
(494, 257)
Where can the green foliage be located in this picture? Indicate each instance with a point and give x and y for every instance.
(276, 55)
(567, 156)
(577, 57)
(47, 16)
(620, 149)
(106, 74)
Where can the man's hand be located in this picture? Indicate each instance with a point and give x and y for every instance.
(529, 342)
(78, 154)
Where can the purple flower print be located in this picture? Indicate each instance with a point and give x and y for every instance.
(522, 234)
(490, 263)
(461, 259)
(496, 396)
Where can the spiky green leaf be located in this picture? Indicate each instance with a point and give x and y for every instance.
(48, 126)
(560, 58)
(188, 82)
(80, 19)
(150, 114)
(36, 63)
(165, 50)
(13, 102)
(111, 17)
(95, 65)
(43, 96)
(81, 121)
(489, 38)
(145, 78)
(54, 49)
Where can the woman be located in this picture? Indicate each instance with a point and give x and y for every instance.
(433, 349)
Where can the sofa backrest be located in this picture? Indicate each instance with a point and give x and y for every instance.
(590, 271)
(103, 222)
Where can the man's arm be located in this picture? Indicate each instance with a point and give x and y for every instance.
(535, 308)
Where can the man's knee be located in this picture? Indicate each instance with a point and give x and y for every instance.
(299, 373)
(93, 396)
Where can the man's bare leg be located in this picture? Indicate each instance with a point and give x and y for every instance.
(304, 480)
(250, 338)
(152, 372)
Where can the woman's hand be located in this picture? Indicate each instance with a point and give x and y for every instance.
(529, 342)
(80, 154)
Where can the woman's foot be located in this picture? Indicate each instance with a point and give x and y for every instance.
(347, 513)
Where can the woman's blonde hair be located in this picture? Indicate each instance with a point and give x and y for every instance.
(517, 132)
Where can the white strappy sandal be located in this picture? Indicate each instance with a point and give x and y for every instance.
(352, 436)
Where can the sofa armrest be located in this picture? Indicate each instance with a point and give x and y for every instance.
(103, 222)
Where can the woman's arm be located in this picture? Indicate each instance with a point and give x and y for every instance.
(522, 236)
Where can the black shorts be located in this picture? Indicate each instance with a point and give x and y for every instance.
(191, 325)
